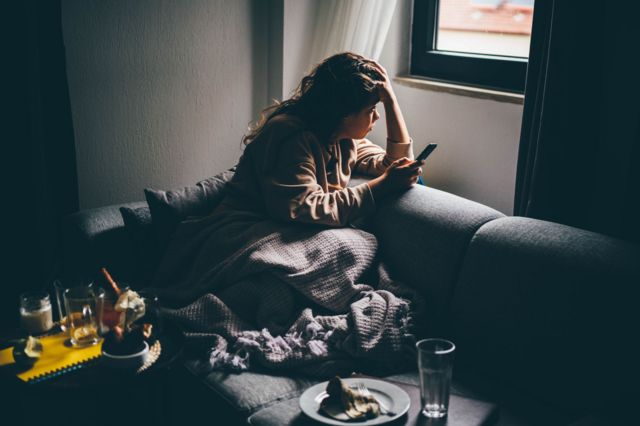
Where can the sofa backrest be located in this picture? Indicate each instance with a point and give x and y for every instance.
(96, 238)
(551, 309)
(423, 235)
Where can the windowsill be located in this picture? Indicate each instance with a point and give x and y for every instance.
(460, 90)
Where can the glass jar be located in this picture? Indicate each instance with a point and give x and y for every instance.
(35, 312)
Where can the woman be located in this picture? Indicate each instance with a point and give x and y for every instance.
(255, 279)
(300, 157)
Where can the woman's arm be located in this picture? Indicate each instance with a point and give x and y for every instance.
(292, 193)
(396, 127)
(402, 172)
(373, 160)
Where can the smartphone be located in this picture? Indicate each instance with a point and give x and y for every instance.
(425, 152)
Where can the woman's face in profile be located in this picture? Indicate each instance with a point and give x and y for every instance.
(359, 124)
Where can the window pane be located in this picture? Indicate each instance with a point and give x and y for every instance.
(494, 27)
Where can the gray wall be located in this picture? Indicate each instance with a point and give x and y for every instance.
(478, 139)
(299, 25)
(161, 91)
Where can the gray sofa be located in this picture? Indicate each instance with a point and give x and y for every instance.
(543, 315)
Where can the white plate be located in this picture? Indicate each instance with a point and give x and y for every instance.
(394, 398)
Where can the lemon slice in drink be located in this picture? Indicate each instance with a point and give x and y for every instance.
(83, 333)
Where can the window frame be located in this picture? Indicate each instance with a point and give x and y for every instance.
(494, 72)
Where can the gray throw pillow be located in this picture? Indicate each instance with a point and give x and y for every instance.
(169, 208)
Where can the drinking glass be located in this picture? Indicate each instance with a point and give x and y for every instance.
(110, 317)
(59, 289)
(59, 292)
(435, 365)
(84, 312)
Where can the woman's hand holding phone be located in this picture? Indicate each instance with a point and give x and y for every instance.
(402, 174)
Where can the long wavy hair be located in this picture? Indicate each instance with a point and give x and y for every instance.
(339, 86)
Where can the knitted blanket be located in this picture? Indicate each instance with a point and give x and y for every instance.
(284, 296)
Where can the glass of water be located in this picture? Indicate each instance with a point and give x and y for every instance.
(435, 364)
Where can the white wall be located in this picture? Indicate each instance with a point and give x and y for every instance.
(477, 138)
(161, 91)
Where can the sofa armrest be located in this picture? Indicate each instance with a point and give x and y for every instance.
(423, 235)
(551, 309)
(94, 238)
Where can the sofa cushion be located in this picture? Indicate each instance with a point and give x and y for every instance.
(96, 238)
(250, 391)
(288, 412)
(423, 235)
(550, 309)
(169, 208)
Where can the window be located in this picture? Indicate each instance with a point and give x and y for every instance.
(481, 43)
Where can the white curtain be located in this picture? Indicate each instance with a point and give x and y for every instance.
(359, 26)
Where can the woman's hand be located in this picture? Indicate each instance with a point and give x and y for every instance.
(385, 91)
(401, 174)
(396, 127)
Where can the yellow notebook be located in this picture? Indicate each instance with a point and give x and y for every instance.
(57, 358)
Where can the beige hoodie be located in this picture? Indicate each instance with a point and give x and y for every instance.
(288, 174)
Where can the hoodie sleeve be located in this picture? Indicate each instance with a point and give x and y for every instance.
(373, 160)
(292, 193)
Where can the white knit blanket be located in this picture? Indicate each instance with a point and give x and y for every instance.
(284, 296)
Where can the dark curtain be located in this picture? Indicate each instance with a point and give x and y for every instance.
(579, 147)
(41, 186)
